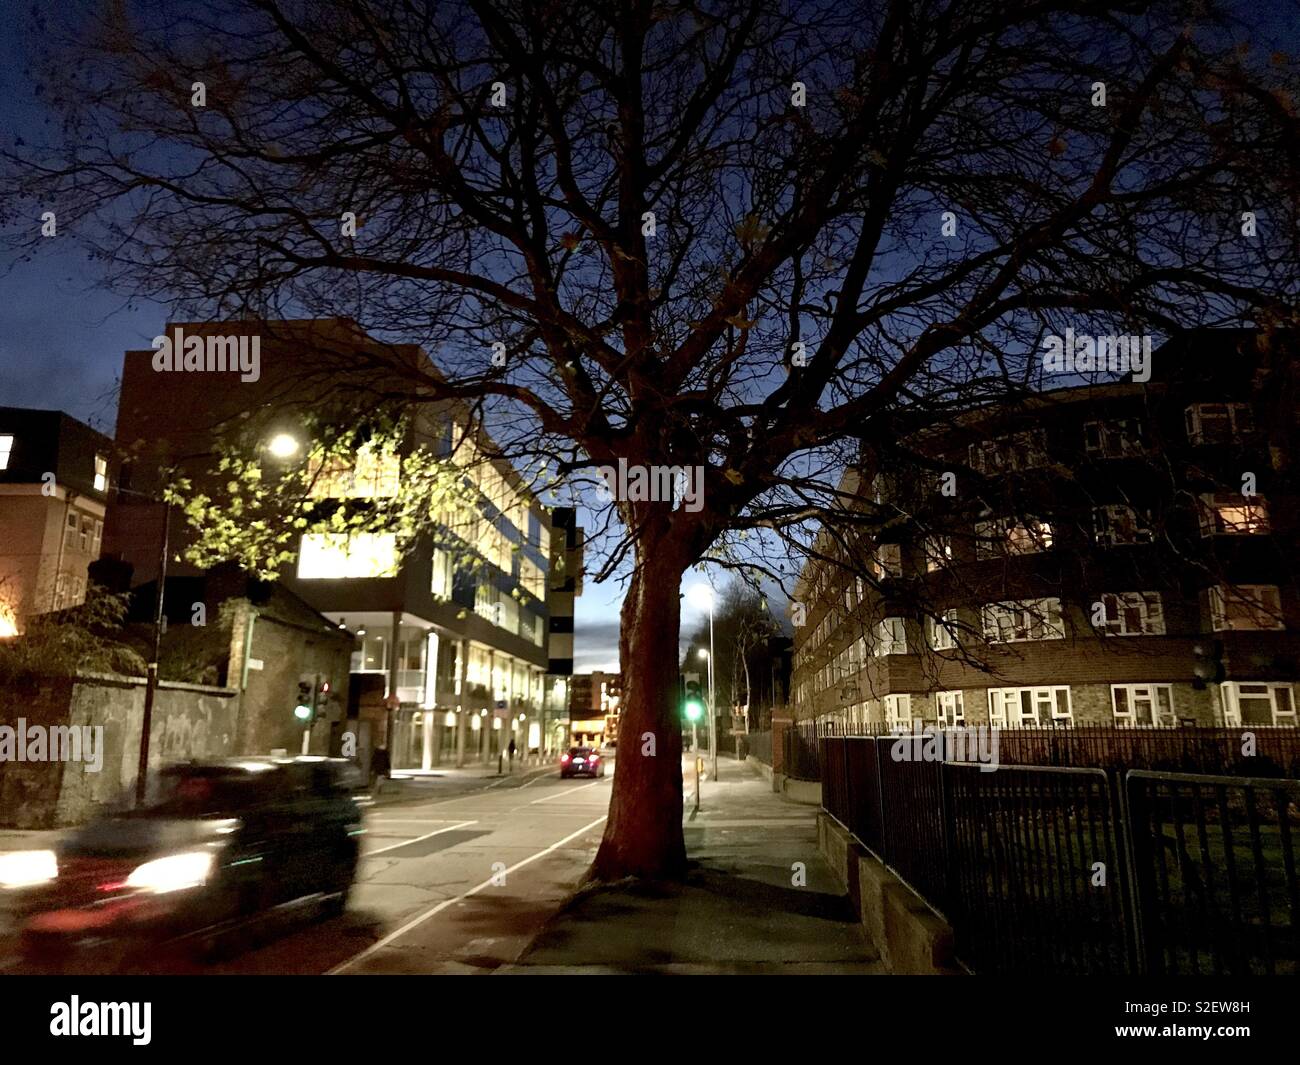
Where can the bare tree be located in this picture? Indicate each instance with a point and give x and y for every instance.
(745, 236)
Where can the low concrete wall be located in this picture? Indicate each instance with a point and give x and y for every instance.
(909, 937)
(189, 721)
(807, 792)
(761, 768)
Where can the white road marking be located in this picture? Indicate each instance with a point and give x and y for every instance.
(416, 922)
(570, 791)
(427, 835)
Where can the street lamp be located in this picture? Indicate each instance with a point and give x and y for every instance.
(701, 596)
(283, 446)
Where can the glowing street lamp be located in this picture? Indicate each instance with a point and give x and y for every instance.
(284, 446)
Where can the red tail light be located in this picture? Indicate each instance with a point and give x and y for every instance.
(564, 758)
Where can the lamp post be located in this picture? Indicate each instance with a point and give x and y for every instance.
(702, 596)
(281, 446)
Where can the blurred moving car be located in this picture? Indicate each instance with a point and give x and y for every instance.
(582, 762)
(225, 842)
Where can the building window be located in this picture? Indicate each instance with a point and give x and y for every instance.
(1118, 437)
(375, 473)
(1006, 454)
(443, 579)
(1118, 525)
(1137, 705)
(1025, 619)
(938, 552)
(898, 711)
(326, 556)
(1233, 515)
(70, 533)
(101, 474)
(943, 631)
(1133, 614)
(891, 638)
(1026, 707)
(1008, 536)
(887, 561)
(1218, 423)
(98, 538)
(6, 449)
(951, 707)
(1248, 607)
(1270, 703)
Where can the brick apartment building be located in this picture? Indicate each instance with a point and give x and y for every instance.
(1105, 554)
(55, 476)
(450, 662)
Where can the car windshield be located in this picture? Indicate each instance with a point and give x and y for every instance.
(580, 752)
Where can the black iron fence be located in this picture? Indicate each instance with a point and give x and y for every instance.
(1214, 870)
(1258, 751)
(1058, 870)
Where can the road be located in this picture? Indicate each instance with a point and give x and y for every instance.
(457, 885)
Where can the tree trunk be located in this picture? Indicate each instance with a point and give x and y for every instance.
(643, 836)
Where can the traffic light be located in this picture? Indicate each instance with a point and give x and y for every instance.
(306, 703)
(693, 700)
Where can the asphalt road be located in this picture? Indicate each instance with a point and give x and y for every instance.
(457, 885)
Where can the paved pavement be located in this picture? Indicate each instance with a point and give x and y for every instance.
(758, 899)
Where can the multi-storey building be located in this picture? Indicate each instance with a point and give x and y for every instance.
(1117, 553)
(452, 635)
(594, 706)
(55, 475)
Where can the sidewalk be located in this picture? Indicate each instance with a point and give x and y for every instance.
(738, 910)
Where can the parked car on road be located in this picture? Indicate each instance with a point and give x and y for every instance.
(582, 762)
(224, 843)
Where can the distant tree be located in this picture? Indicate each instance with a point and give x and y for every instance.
(744, 237)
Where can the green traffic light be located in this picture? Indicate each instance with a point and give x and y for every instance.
(302, 713)
(694, 709)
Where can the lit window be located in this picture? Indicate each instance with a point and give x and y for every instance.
(1010, 537)
(1233, 515)
(101, 474)
(938, 552)
(1133, 614)
(1026, 619)
(374, 474)
(887, 561)
(443, 574)
(325, 556)
(6, 449)
(1245, 607)
(1137, 705)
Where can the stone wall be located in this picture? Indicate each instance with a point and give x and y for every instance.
(189, 721)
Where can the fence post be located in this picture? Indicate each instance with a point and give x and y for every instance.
(880, 791)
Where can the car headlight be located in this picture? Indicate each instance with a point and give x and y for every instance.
(173, 873)
(27, 868)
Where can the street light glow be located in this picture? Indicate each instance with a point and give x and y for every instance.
(700, 596)
(704, 652)
(284, 446)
